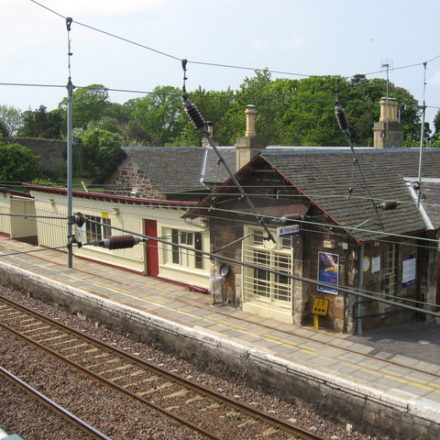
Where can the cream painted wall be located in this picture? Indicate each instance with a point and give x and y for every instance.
(21, 226)
(5, 210)
(128, 217)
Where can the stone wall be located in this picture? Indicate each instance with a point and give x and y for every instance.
(129, 180)
(51, 152)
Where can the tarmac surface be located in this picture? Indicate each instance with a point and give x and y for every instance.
(418, 340)
(397, 364)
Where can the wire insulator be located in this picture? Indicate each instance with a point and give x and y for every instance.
(194, 115)
(388, 204)
(79, 219)
(69, 21)
(121, 242)
(341, 118)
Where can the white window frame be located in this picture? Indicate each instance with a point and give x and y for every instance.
(95, 231)
(259, 283)
(177, 256)
(391, 265)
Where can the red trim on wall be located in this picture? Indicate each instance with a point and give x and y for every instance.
(16, 193)
(110, 197)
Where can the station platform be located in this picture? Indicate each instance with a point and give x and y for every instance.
(389, 379)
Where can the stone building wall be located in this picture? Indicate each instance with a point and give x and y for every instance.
(129, 180)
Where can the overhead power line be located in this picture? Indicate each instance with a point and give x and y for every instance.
(213, 64)
(382, 298)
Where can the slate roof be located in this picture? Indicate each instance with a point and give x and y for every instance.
(180, 169)
(325, 177)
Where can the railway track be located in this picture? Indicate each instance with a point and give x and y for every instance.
(87, 429)
(194, 406)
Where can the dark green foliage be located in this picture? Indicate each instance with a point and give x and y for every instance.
(437, 122)
(301, 112)
(4, 132)
(156, 118)
(101, 147)
(42, 124)
(17, 163)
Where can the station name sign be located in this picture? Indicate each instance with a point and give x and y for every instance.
(282, 231)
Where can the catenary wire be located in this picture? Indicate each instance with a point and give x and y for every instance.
(211, 63)
(38, 220)
(209, 256)
(309, 222)
(292, 276)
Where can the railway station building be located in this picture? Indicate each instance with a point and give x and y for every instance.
(316, 218)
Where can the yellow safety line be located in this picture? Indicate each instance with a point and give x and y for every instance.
(284, 341)
(367, 370)
(281, 341)
(221, 321)
(392, 377)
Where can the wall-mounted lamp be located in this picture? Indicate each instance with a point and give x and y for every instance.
(116, 211)
(52, 202)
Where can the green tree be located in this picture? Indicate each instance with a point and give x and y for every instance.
(108, 123)
(17, 163)
(213, 106)
(437, 122)
(42, 124)
(157, 117)
(11, 119)
(101, 150)
(3, 129)
(90, 103)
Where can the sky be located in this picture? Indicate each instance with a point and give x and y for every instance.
(305, 37)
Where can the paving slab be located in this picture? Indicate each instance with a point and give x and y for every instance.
(393, 355)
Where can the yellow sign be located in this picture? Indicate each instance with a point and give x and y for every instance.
(105, 215)
(320, 306)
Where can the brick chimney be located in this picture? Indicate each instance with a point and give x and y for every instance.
(249, 145)
(388, 131)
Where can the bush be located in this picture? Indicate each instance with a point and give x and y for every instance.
(17, 163)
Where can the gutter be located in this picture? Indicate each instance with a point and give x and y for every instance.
(203, 169)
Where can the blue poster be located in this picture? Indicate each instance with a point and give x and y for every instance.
(328, 271)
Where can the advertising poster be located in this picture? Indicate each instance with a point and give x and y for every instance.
(409, 271)
(328, 271)
(375, 264)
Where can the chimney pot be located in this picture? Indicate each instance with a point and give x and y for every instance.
(388, 109)
(388, 131)
(250, 113)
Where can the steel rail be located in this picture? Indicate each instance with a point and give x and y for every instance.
(53, 406)
(270, 420)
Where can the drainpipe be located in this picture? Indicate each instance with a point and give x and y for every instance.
(359, 308)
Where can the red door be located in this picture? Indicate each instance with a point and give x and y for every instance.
(152, 254)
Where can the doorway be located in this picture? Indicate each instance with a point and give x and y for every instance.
(151, 249)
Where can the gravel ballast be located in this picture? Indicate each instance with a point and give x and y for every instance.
(111, 413)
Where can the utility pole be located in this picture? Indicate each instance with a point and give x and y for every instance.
(422, 136)
(70, 89)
